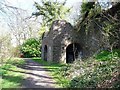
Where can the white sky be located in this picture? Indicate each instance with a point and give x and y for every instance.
(28, 4)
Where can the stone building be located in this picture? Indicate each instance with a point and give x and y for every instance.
(63, 43)
(59, 45)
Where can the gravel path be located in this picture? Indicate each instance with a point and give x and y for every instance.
(37, 76)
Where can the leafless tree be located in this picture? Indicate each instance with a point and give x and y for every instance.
(19, 22)
(20, 26)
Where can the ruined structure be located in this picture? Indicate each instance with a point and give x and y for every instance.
(65, 43)
(59, 44)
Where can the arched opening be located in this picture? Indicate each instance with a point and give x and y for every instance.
(45, 53)
(73, 52)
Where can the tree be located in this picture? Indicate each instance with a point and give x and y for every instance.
(50, 11)
(87, 6)
(19, 22)
(22, 27)
(5, 45)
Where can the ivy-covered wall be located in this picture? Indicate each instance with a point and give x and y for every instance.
(100, 31)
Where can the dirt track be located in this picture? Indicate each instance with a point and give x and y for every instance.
(37, 76)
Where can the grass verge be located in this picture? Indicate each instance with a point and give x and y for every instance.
(11, 78)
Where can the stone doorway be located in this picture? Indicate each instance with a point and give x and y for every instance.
(45, 53)
(73, 52)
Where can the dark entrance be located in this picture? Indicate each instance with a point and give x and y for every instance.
(73, 52)
(45, 53)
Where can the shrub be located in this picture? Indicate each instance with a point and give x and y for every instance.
(30, 48)
(107, 55)
(95, 74)
(101, 71)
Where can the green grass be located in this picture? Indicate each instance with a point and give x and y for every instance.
(56, 71)
(107, 55)
(11, 78)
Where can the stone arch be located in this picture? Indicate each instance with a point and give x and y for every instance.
(73, 52)
(45, 52)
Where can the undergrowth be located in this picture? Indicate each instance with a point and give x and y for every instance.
(107, 55)
(11, 78)
(101, 71)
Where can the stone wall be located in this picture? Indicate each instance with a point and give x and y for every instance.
(47, 41)
(91, 40)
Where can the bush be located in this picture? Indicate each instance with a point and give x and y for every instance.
(107, 55)
(95, 73)
(30, 48)
(101, 71)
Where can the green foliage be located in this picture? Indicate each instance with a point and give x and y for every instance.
(2, 71)
(10, 78)
(16, 61)
(31, 48)
(50, 11)
(89, 11)
(111, 28)
(104, 20)
(87, 6)
(61, 74)
(107, 55)
(96, 74)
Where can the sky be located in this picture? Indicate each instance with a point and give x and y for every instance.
(28, 4)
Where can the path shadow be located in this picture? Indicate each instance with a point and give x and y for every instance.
(30, 73)
(17, 79)
(36, 68)
(32, 65)
(30, 83)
